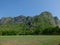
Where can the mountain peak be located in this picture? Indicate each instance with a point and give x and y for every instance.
(46, 13)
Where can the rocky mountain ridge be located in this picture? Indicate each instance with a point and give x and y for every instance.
(45, 18)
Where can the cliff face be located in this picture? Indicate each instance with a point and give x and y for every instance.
(42, 20)
(57, 21)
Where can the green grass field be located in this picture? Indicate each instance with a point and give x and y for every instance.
(29, 40)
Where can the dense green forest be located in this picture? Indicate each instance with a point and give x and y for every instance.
(42, 24)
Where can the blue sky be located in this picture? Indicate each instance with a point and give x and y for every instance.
(28, 7)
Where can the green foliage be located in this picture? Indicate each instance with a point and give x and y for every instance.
(27, 30)
(52, 31)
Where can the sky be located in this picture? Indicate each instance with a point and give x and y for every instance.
(12, 8)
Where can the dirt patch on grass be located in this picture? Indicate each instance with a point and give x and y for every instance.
(19, 42)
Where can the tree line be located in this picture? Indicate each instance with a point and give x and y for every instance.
(25, 30)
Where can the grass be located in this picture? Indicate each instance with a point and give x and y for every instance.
(30, 40)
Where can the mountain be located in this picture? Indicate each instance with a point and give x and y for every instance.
(44, 23)
(43, 19)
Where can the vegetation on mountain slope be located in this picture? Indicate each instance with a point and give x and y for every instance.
(44, 24)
